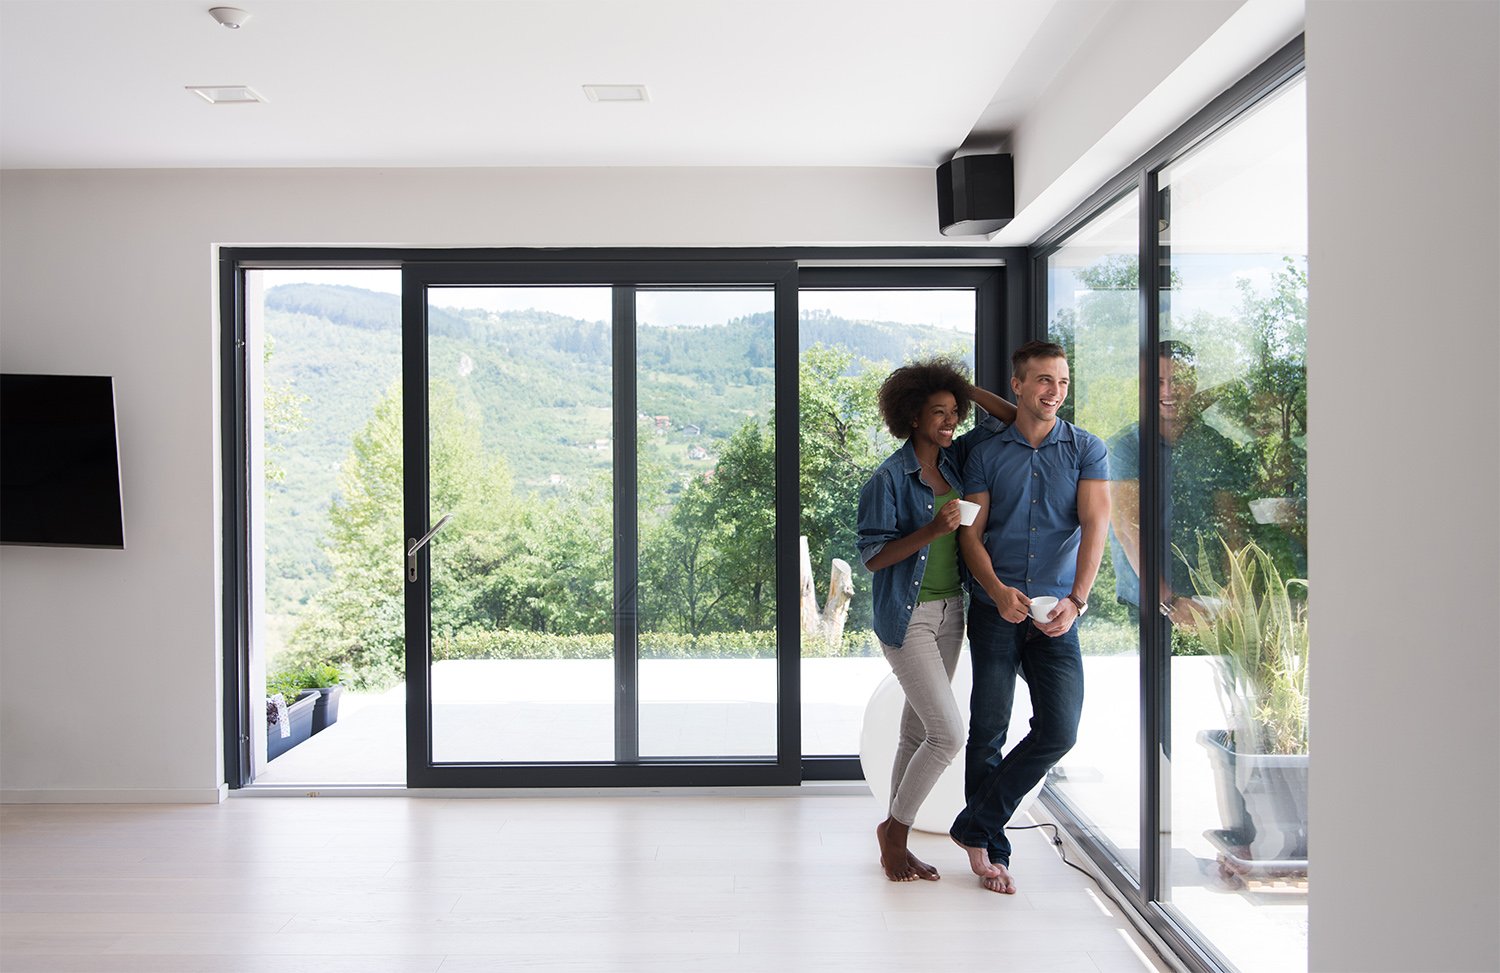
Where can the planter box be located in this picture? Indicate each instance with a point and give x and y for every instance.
(299, 716)
(326, 708)
(1262, 802)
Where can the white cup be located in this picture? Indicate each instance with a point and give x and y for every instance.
(1041, 607)
(967, 511)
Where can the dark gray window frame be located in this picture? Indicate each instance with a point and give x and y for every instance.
(1002, 301)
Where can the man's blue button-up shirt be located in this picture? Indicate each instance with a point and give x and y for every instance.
(1032, 534)
(894, 502)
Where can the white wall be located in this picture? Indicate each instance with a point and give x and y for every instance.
(1109, 104)
(1404, 307)
(109, 661)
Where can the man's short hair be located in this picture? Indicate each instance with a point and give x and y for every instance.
(1034, 349)
(1178, 351)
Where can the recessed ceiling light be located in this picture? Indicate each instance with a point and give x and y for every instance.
(226, 94)
(616, 92)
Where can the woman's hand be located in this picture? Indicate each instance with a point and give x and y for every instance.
(946, 521)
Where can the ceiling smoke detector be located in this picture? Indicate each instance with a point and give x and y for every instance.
(232, 17)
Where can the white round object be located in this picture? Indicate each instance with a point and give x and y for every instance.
(882, 728)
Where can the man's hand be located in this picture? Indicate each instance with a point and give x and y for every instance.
(1012, 605)
(1063, 615)
(1184, 612)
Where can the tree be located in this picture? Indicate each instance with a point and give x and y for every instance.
(842, 440)
(710, 565)
(281, 408)
(1272, 400)
(358, 621)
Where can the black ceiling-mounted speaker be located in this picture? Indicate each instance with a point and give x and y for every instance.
(976, 194)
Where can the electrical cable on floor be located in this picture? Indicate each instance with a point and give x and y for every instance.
(1062, 851)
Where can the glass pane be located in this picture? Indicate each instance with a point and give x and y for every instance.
(705, 386)
(520, 391)
(1234, 437)
(848, 342)
(324, 371)
(1093, 310)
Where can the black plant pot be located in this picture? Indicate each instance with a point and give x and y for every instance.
(326, 709)
(1262, 803)
(299, 717)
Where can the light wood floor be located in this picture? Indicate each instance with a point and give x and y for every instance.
(414, 885)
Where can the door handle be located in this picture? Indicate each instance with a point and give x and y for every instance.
(414, 545)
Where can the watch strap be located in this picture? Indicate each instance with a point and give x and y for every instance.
(1081, 605)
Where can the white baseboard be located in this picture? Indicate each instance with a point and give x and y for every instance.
(184, 795)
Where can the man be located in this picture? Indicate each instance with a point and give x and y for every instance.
(1204, 479)
(1044, 513)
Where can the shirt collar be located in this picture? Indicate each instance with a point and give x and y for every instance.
(906, 456)
(1061, 432)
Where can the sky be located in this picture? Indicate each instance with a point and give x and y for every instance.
(953, 310)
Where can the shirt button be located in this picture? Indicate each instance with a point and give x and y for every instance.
(922, 558)
(1031, 555)
(1033, 501)
(1033, 530)
(908, 608)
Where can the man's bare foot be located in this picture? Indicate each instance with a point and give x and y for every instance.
(979, 860)
(894, 858)
(1001, 883)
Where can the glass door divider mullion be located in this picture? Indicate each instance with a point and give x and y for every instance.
(788, 508)
(1152, 664)
(416, 506)
(626, 529)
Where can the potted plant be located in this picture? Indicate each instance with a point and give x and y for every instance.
(326, 680)
(287, 724)
(313, 692)
(1255, 630)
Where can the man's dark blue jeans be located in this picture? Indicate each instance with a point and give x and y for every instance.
(1053, 669)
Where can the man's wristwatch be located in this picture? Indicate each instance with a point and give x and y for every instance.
(1082, 606)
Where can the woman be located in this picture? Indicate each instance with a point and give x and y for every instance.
(908, 515)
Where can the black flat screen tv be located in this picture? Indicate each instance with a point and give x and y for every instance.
(59, 462)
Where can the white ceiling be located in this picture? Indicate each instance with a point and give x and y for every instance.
(86, 84)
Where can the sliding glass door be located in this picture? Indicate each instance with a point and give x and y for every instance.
(1180, 292)
(571, 520)
(595, 479)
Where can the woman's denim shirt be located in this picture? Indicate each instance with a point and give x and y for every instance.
(894, 502)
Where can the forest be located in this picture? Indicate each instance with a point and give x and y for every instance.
(520, 454)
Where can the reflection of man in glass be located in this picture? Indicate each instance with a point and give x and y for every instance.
(1204, 478)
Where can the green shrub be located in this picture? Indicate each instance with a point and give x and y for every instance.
(474, 643)
(291, 679)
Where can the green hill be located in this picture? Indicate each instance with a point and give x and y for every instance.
(538, 386)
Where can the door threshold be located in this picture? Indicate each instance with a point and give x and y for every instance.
(812, 788)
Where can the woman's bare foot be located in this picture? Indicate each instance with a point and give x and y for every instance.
(898, 863)
(1001, 883)
(979, 860)
(924, 871)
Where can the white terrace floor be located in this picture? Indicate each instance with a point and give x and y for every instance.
(560, 710)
